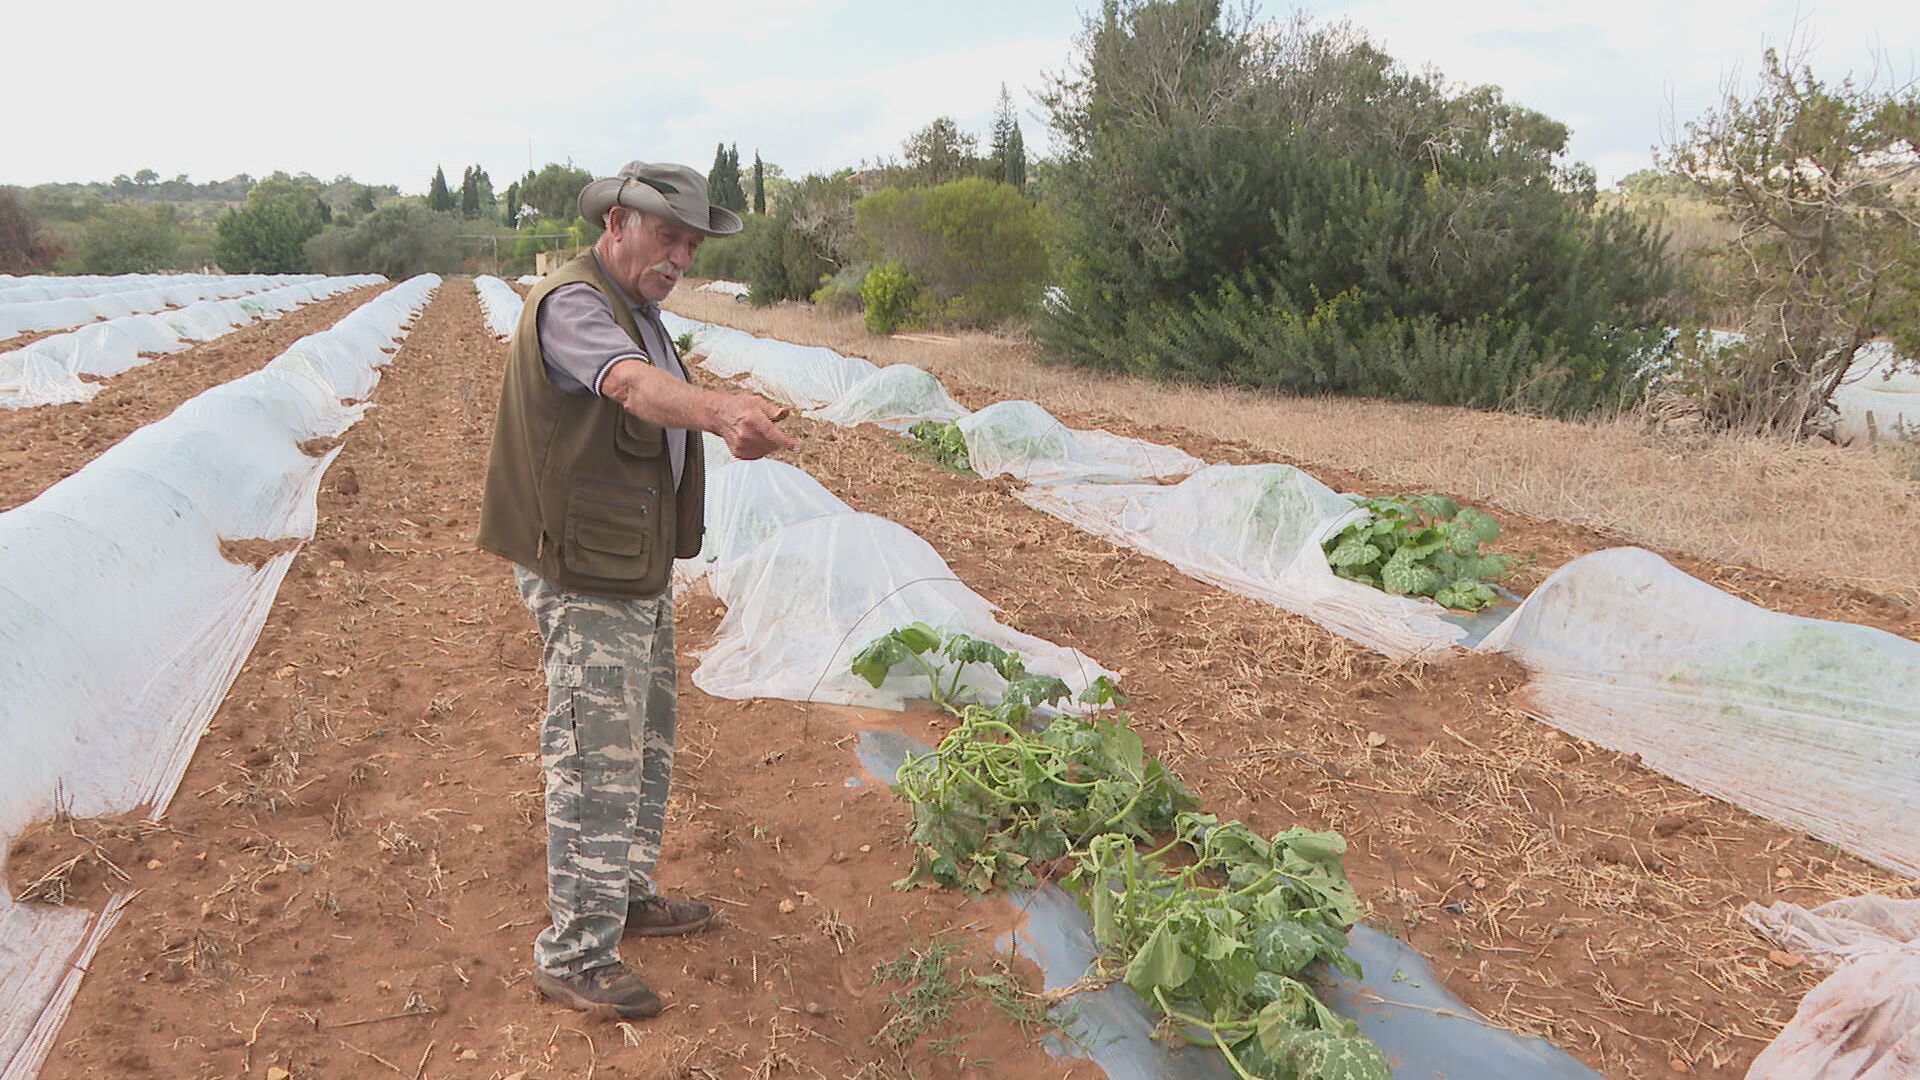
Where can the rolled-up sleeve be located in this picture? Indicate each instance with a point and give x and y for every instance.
(580, 340)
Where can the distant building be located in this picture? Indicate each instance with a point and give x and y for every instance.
(868, 181)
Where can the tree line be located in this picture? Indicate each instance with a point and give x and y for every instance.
(1287, 207)
(1282, 206)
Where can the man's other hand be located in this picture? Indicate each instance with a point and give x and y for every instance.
(749, 426)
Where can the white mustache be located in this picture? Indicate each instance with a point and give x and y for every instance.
(665, 269)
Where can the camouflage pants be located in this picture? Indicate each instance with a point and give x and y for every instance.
(607, 751)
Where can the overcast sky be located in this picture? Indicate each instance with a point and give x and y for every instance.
(385, 91)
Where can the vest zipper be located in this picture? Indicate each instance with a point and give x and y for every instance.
(540, 549)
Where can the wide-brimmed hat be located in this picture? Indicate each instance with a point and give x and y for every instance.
(674, 192)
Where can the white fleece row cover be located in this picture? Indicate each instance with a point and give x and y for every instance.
(499, 303)
(32, 287)
(34, 304)
(1022, 440)
(1863, 1022)
(1810, 723)
(803, 376)
(122, 625)
(48, 371)
(1263, 525)
(843, 390)
(783, 552)
(735, 289)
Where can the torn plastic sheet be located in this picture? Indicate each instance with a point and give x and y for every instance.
(499, 304)
(1398, 1002)
(1024, 441)
(1808, 723)
(1863, 1021)
(1263, 526)
(132, 542)
(848, 579)
(895, 397)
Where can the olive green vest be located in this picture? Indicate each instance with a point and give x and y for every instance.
(579, 490)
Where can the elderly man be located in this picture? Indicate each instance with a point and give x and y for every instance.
(594, 485)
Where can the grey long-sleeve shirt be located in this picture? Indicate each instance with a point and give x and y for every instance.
(580, 341)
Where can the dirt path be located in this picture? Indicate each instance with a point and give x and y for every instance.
(42, 445)
(350, 878)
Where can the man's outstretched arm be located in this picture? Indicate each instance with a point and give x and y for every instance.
(745, 421)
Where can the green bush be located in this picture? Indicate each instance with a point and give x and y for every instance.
(889, 295)
(840, 293)
(269, 234)
(765, 262)
(785, 256)
(977, 248)
(128, 239)
(727, 257)
(401, 239)
(1290, 207)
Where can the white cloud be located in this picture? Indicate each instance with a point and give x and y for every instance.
(1623, 75)
(386, 91)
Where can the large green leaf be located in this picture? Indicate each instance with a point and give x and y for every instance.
(1285, 947)
(877, 660)
(1353, 551)
(1161, 962)
(1404, 576)
(1483, 527)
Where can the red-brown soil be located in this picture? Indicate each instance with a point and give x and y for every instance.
(353, 869)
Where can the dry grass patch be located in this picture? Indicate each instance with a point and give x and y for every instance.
(1813, 512)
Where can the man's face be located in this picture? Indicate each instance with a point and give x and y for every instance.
(650, 254)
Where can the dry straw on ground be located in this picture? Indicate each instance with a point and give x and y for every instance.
(1814, 512)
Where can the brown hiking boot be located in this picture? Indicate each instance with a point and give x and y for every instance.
(658, 916)
(614, 987)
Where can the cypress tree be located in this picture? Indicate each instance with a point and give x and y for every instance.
(469, 195)
(717, 176)
(1003, 128)
(759, 185)
(438, 197)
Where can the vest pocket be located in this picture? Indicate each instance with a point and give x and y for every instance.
(638, 438)
(609, 530)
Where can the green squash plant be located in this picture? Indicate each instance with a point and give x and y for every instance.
(1214, 929)
(1421, 545)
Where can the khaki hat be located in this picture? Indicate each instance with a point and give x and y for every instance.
(674, 192)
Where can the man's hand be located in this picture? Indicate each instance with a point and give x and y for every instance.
(747, 423)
